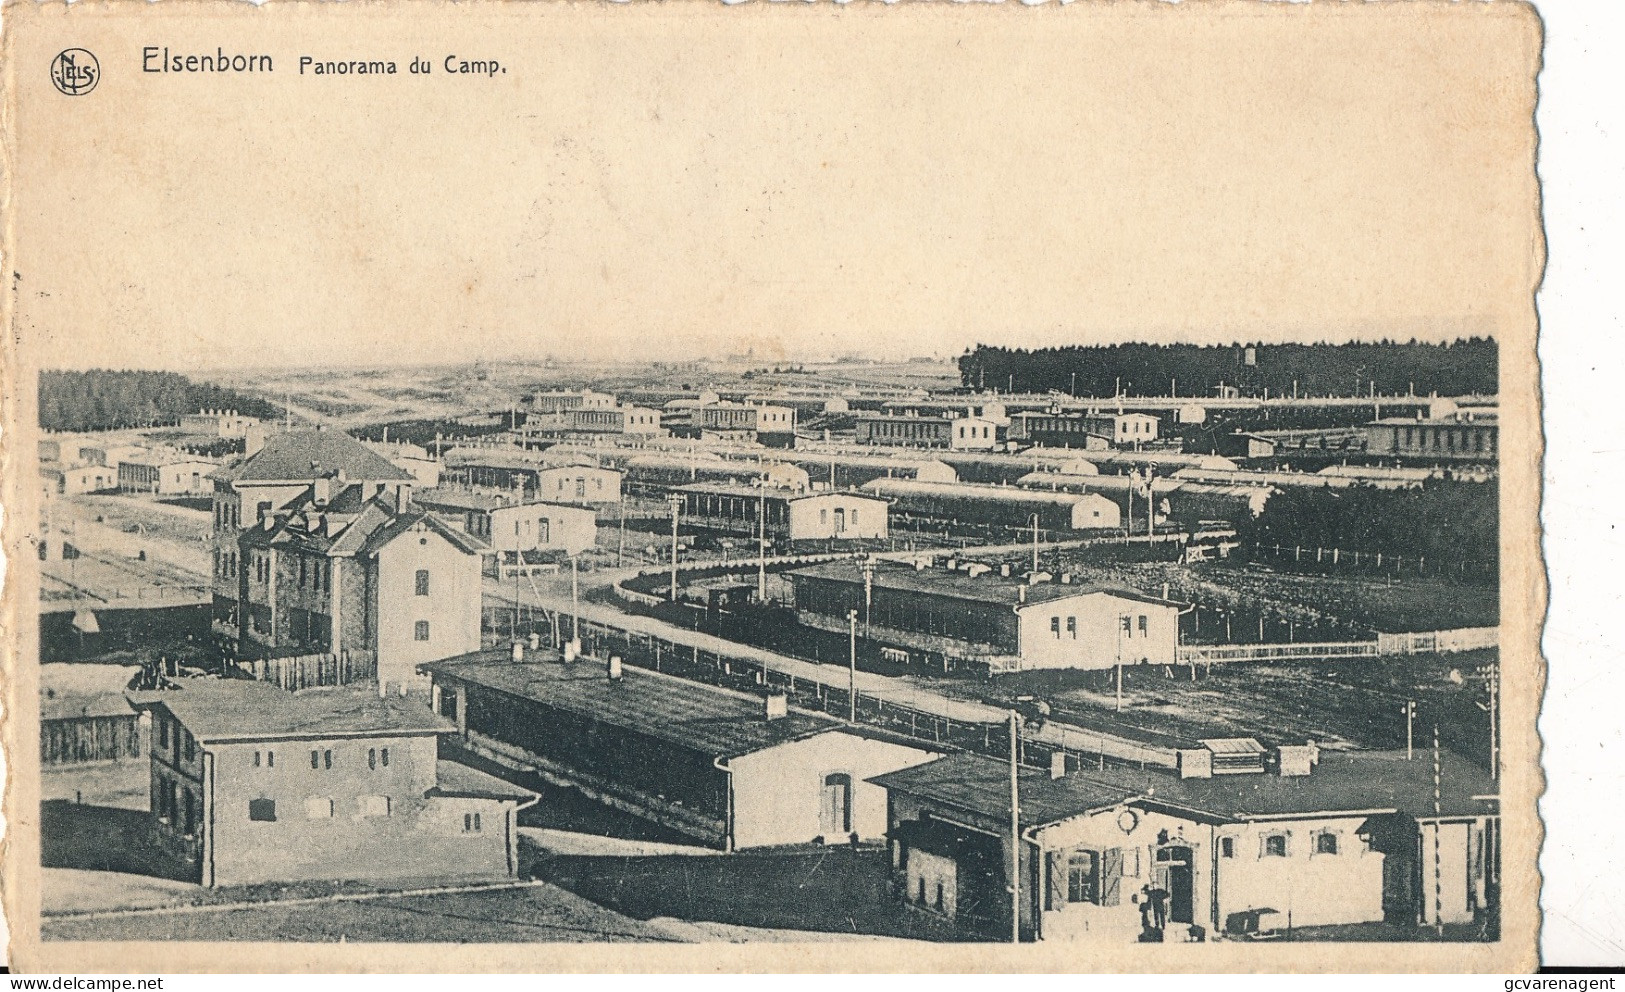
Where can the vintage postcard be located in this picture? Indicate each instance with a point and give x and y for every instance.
(779, 488)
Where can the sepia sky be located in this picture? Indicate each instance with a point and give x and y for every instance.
(649, 183)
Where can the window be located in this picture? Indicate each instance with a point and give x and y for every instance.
(1055, 626)
(163, 732)
(383, 756)
(1227, 847)
(270, 759)
(315, 759)
(1326, 843)
(369, 806)
(327, 759)
(471, 823)
(1083, 877)
(1142, 625)
(256, 759)
(318, 808)
(423, 582)
(1072, 627)
(262, 810)
(1275, 846)
(372, 757)
(191, 747)
(420, 630)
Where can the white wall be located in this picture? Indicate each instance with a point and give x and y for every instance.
(813, 518)
(452, 607)
(778, 792)
(1097, 643)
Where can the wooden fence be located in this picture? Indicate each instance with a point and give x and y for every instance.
(308, 671)
(1428, 642)
(75, 740)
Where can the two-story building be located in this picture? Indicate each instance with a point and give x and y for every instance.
(290, 466)
(334, 572)
(761, 423)
(784, 515)
(251, 784)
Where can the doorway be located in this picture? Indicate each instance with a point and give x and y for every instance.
(835, 810)
(1174, 876)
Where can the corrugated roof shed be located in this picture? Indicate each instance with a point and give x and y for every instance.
(688, 714)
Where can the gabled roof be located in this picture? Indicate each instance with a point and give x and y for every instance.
(371, 529)
(1349, 783)
(237, 710)
(468, 544)
(717, 722)
(297, 456)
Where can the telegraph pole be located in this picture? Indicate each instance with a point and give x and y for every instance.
(761, 549)
(1015, 829)
(1035, 542)
(1410, 728)
(676, 501)
(575, 605)
(852, 668)
(868, 566)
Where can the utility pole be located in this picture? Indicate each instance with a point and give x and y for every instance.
(1035, 542)
(1121, 622)
(852, 668)
(761, 549)
(1410, 728)
(575, 605)
(1015, 829)
(676, 501)
(1438, 875)
(868, 566)
(620, 548)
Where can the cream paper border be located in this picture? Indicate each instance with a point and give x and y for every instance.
(1514, 35)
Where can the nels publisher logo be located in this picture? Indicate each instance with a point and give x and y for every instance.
(75, 71)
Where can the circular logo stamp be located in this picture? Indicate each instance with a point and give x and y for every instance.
(75, 71)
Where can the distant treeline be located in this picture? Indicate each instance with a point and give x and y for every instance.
(1455, 526)
(108, 399)
(1455, 369)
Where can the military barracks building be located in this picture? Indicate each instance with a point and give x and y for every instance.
(1005, 623)
(786, 515)
(729, 769)
(253, 784)
(1312, 838)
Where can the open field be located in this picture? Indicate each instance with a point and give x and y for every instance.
(835, 890)
(1325, 607)
(1357, 703)
(527, 913)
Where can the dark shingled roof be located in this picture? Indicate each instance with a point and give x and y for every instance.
(1347, 782)
(303, 455)
(717, 722)
(227, 710)
(987, 588)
